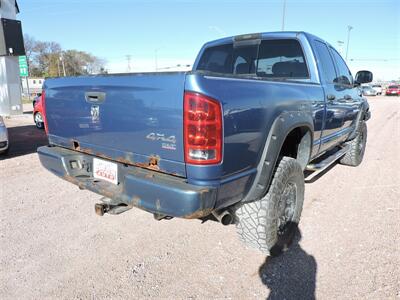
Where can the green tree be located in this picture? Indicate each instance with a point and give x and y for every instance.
(48, 59)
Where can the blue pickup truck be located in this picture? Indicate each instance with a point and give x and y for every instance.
(230, 140)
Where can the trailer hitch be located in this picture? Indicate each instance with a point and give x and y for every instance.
(113, 209)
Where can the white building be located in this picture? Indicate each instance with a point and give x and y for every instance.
(35, 85)
(10, 89)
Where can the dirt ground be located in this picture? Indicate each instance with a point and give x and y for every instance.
(53, 245)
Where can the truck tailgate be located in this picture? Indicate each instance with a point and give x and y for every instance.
(134, 118)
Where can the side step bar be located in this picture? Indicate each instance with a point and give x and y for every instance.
(317, 168)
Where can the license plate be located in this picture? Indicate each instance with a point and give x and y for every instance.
(105, 170)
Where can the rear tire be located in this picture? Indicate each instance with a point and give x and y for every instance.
(269, 224)
(355, 155)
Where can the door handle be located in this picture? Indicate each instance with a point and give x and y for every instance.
(330, 97)
(95, 97)
(347, 97)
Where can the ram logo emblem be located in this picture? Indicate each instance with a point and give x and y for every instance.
(95, 112)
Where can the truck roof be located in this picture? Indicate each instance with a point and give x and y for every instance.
(275, 34)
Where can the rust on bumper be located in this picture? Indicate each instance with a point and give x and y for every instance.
(144, 188)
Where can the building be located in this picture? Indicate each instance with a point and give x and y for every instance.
(11, 46)
(34, 84)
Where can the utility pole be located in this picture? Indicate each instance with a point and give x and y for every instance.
(128, 58)
(63, 64)
(349, 28)
(27, 88)
(283, 15)
(58, 67)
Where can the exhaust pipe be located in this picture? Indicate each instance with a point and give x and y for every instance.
(101, 209)
(225, 217)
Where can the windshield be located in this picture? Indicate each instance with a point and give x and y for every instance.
(393, 87)
(282, 58)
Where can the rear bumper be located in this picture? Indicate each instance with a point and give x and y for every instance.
(151, 191)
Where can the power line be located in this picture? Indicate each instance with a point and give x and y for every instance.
(375, 59)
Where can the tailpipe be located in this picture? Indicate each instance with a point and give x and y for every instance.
(225, 217)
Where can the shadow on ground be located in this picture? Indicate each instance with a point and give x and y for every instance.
(291, 275)
(25, 140)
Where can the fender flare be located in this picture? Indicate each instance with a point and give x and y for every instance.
(363, 115)
(280, 129)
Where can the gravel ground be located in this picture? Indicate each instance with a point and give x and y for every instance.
(54, 246)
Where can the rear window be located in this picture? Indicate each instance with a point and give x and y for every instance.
(393, 87)
(270, 59)
(217, 59)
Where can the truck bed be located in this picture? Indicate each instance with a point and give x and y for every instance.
(135, 119)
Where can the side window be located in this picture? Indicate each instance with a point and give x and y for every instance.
(344, 76)
(217, 59)
(327, 67)
(281, 59)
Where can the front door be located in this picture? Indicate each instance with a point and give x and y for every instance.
(334, 109)
(347, 95)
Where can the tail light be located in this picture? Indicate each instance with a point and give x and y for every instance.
(43, 100)
(202, 129)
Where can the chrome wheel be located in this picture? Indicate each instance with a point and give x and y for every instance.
(38, 120)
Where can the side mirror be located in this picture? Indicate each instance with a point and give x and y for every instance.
(363, 77)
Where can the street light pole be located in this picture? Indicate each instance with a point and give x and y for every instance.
(349, 28)
(128, 58)
(340, 46)
(283, 15)
(156, 58)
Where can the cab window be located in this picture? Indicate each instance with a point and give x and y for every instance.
(327, 67)
(281, 59)
(344, 74)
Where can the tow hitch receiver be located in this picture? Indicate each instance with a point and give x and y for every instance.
(102, 208)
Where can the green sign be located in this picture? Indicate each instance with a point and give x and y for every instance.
(23, 66)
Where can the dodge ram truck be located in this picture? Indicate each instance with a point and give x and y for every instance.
(230, 140)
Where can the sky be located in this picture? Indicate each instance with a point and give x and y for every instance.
(174, 30)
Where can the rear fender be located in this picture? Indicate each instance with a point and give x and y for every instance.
(280, 129)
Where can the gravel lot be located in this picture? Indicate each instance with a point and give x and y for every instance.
(54, 246)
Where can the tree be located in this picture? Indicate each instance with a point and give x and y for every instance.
(81, 63)
(44, 60)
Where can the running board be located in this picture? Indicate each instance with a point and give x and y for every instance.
(322, 165)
